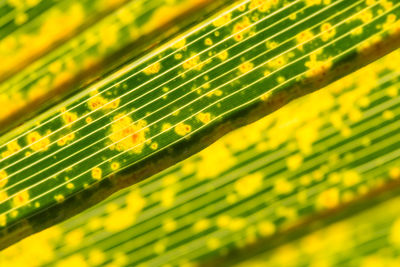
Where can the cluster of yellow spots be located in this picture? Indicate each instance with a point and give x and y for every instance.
(37, 142)
(222, 20)
(127, 135)
(21, 198)
(96, 102)
(204, 117)
(69, 117)
(152, 69)
(3, 178)
(246, 67)
(240, 28)
(263, 5)
(96, 173)
(65, 139)
(317, 67)
(193, 63)
(233, 224)
(328, 32)
(182, 129)
(304, 37)
(249, 184)
(12, 147)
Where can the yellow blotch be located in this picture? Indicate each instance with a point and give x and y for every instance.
(3, 178)
(183, 129)
(127, 135)
(328, 198)
(21, 198)
(241, 28)
(36, 142)
(152, 69)
(204, 117)
(96, 173)
(248, 184)
(246, 67)
(282, 186)
(119, 219)
(294, 162)
(76, 260)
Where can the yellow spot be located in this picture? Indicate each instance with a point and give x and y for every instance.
(317, 67)
(69, 117)
(388, 115)
(282, 186)
(152, 69)
(266, 228)
(74, 238)
(114, 166)
(96, 257)
(208, 41)
(154, 145)
(3, 178)
(223, 55)
(128, 135)
(394, 236)
(37, 142)
(246, 67)
(294, 162)
(183, 129)
(21, 198)
(159, 247)
(3, 220)
(70, 186)
(213, 243)
(328, 198)
(248, 184)
(394, 173)
(169, 225)
(96, 173)
(201, 225)
(351, 178)
(59, 198)
(88, 119)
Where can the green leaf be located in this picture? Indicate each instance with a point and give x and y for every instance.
(242, 63)
(256, 189)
